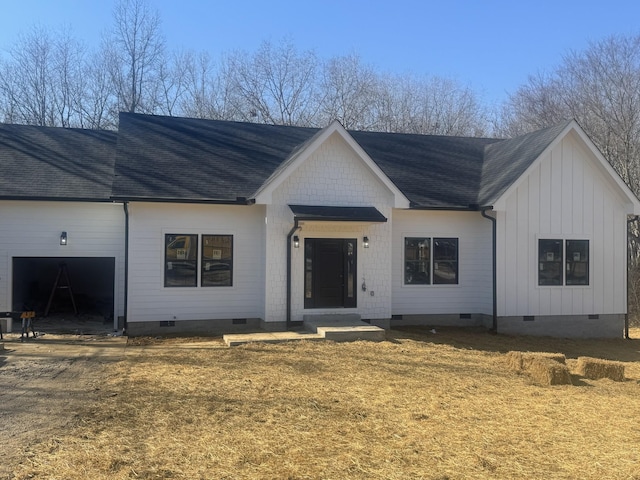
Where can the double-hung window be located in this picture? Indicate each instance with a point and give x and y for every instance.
(183, 254)
(563, 262)
(430, 261)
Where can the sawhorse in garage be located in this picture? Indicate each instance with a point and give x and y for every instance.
(27, 324)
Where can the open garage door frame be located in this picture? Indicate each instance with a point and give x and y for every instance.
(92, 279)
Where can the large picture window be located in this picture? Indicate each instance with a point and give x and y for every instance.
(217, 261)
(430, 261)
(563, 262)
(180, 260)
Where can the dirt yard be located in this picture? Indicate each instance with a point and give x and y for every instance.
(44, 385)
(420, 405)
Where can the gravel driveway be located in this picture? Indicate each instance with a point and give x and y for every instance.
(43, 384)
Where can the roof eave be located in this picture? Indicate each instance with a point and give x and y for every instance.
(204, 201)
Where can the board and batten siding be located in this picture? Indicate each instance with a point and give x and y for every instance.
(473, 293)
(33, 228)
(150, 301)
(333, 175)
(565, 196)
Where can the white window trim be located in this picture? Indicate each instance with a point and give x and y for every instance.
(199, 233)
(430, 237)
(564, 238)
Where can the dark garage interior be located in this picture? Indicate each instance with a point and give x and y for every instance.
(90, 286)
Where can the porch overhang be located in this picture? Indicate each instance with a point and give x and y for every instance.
(322, 213)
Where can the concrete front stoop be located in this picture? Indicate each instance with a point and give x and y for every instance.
(338, 328)
(343, 328)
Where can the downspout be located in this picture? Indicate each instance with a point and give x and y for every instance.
(126, 263)
(483, 212)
(293, 230)
(626, 315)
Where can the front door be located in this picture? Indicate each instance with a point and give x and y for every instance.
(330, 273)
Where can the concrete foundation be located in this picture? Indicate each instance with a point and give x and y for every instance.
(442, 320)
(194, 327)
(564, 326)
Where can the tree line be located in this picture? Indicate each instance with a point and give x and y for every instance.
(49, 78)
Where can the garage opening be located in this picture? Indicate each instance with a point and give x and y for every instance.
(87, 282)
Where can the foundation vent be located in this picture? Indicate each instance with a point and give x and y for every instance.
(168, 323)
(594, 317)
(239, 321)
(528, 318)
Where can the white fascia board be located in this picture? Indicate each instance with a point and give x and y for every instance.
(264, 193)
(625, 191)
(634, 203)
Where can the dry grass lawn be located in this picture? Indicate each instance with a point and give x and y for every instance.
(418, 406)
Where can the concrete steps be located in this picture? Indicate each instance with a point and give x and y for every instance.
(343, 328)
(338, 328)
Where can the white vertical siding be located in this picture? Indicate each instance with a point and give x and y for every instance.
(565, 196)
(32, 229)
(474, 293)
(334, 175)
(150, 300)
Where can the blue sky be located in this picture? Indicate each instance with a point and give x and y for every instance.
(490, 45)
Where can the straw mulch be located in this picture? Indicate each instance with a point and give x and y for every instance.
(418, 406)
(544, 368)
(596, 368)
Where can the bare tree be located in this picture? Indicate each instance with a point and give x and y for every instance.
(600, 88)
(347, 89)
(428, 105)
(40, 82)
(134, 51)
(99, 103)
(276, 85)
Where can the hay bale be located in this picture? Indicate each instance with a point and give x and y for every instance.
(547, 371)
(522, 360)
(596, 368)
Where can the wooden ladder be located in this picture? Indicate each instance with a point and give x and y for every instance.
(63, 274)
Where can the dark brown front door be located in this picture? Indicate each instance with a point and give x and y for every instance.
(330, 273)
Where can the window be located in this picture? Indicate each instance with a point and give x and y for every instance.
(217, 260)
(445, 261)
(554, 254)
(180, 260)
(182, 253)
(424, 255)
(550, 252)
(577, 262)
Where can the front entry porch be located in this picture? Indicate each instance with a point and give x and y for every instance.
(337, 328)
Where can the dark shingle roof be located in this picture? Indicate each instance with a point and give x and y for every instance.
(432, 171)
(56, 163)
(193, 159)
(183, 159)
(507, 160)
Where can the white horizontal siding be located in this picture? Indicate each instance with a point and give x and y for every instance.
(150, 300)
(565, 196)
(32, 229)
(473, 293)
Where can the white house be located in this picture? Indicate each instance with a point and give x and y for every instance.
(225, 226)
(235, 226)
(57, 216)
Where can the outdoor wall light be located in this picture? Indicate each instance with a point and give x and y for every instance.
(63, 238)
(296, 241)
(365, 242)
